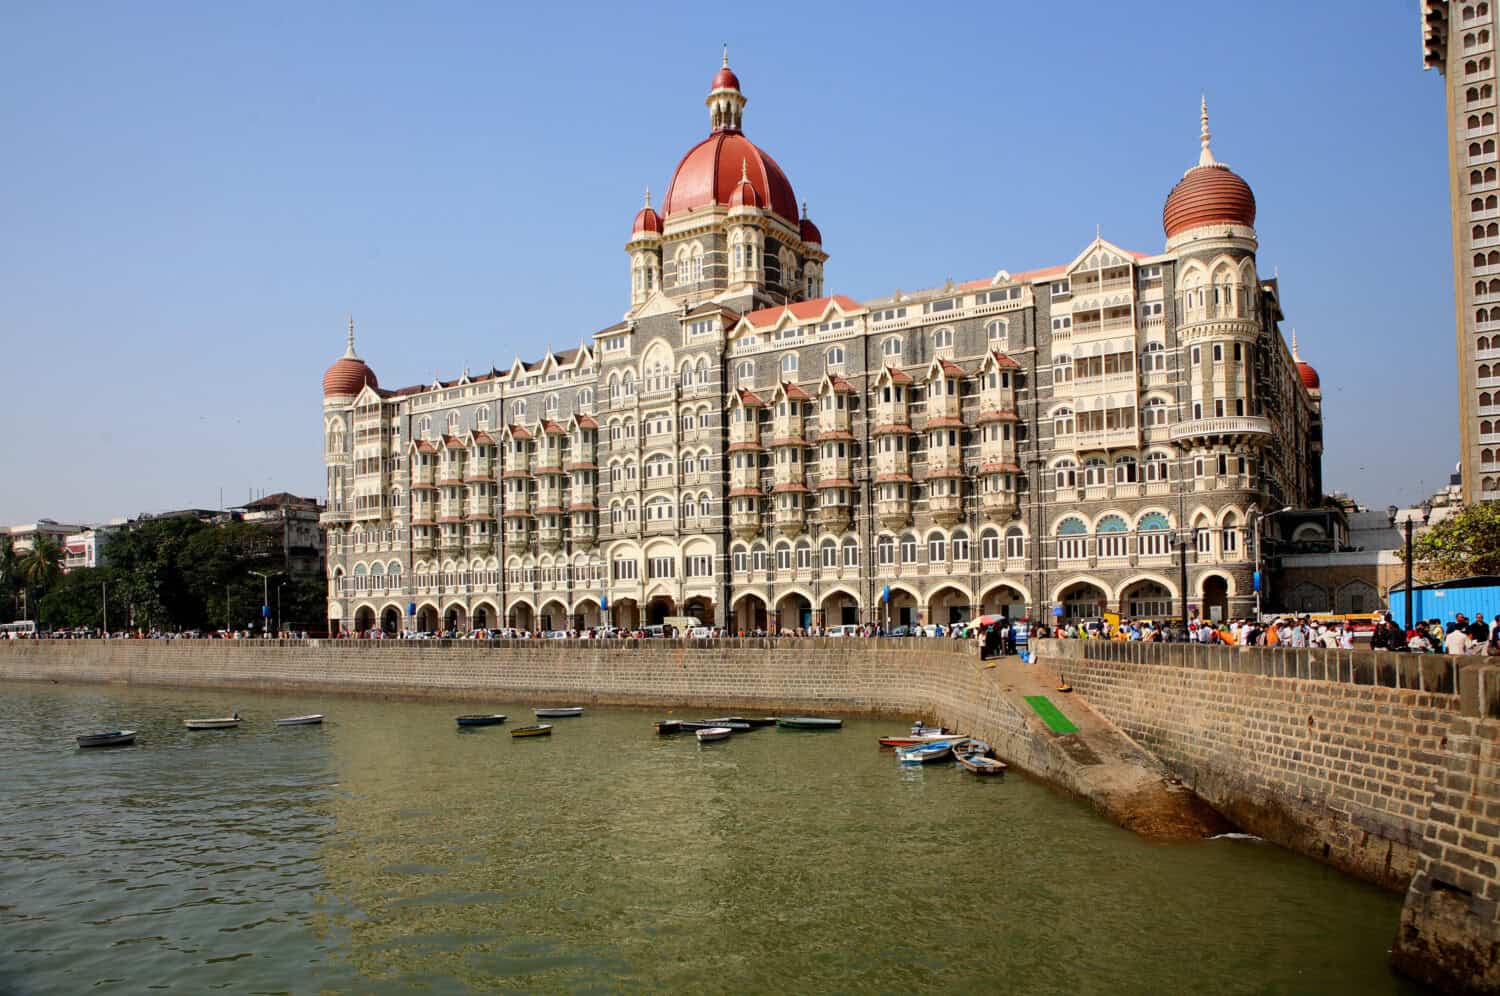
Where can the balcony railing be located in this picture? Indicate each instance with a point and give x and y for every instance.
(1235, 425)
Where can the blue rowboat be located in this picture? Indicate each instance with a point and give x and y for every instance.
(924, 753)
(490, 719)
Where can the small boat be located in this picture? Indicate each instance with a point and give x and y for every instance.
(740, 722)
(221, 723)
(978, 763)
(759, 721)
(808, 723)
(539, 730)
(558, 712)
(924, 753)
(913, 739)
(115, 738)
(714, 733)
(313, 719)
(667, 727)
(482, 719)
(1064, 687)
(735, 725)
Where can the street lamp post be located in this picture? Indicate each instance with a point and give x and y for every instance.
(1259, 577)
(104, 605)
(265, 604)
(279, 586)
(1182, 552)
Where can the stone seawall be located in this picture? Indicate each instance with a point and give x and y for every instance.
(1381, 764)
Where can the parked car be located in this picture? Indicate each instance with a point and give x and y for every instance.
(848, 629)
(701, 633)
(902, 631)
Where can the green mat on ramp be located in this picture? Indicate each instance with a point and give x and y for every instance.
(1050, 714)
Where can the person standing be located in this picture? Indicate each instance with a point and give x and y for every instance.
(1457, 642)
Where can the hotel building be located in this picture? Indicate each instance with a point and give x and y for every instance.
(748, 449)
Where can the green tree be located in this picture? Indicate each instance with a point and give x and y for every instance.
(77, 599)
(1462, 545)
(42, 564)
(7, 580)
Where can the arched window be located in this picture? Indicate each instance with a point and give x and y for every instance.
(744, 373)
(1154, 412)
(614, 388)
(1154, 358)
(1113, 537)
(828, 554)
(885, 550)
(518, 411)
(627, 384)
(482, 416)
(891, 348)
(702, 370)
(783, 557)
(1126, 470)
(942, 339)
(789, 365)
(549, 407)
(1095, 472)
(960, 546)
(1015, 543)
(851, 553)
(1072, 539)
(1154, 539)
(1066, 472)
(989, 545)
(1062, 369)
(835, 357)
(908, 549)
(937, 549)
(1156, 467)
(758, 558)
(1062, 422)
(586, 398)
(997, 332)
(1229, 535)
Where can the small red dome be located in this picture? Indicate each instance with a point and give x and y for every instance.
(810, 233)
(712, 169)
(347, 377)
(724, 79)
(1206, 195)
(745, 195)
(1309, 376)
(646, 221)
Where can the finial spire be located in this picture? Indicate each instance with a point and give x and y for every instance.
(349, 350)
(648, 196)
(726, 55)
(744, 170)
(1206, 157)
(804, 210)
(1294, 346)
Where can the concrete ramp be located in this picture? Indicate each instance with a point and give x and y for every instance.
(1056, 736)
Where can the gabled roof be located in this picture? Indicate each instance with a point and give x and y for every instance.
(896, 375)
(586, 421)
(1002, 361)
(838, 385)
(749, 398)
(793, 392)
(551, 428)
(453, 442)
(517, 431)
(1101, 252)
(801, 312)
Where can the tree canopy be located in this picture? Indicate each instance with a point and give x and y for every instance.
(1462, 545)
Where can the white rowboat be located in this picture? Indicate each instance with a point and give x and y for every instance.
(312, 720)
(713, 733)
(221, 723)
(558, 712)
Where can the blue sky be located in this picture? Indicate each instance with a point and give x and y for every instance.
(193, 197)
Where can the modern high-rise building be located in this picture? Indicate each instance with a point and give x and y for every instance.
(1458, 41)
(745, 448)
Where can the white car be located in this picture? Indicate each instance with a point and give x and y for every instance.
(848, 629)
(701, 633)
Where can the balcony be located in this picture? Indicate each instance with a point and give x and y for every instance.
(550, 535)
(893, 513)
(999, 506)
(422, 474)
(424, 543)
(334, 518)
(1105, 439)
(480, 543)
(1229, 428)
(945, 509)
(479, 469)
(746, 525)
(451, 542)
(834, 518)
(585, 532)
(790, 521)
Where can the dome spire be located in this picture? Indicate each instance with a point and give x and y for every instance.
(349, 349)
(744, 170)
(648, 197)
(725, 102)
(726, 55)
(1294, 346)
(1206, 157)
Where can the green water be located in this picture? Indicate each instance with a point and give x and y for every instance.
(388, 852)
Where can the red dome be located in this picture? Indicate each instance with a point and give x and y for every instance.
(724, 79)
(646, 220)
(710, 172)
(1309, 376)
(1208, 194)
(347, 377)
(810, 233)
(745, 195)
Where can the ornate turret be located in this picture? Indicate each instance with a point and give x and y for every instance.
(1208, 194)
(349, 374)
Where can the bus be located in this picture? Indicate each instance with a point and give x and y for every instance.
(24, 630)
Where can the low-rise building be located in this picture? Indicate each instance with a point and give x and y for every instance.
(295, 521)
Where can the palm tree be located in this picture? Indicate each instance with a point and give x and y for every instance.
(42, 565)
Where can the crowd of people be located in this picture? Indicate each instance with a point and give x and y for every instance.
(1460, 637)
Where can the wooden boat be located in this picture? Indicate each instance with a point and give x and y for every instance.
(979, 764)
(221, 723)
(667, 727)
(558, 712)
(1064, 687)
(759, 721)
(312, 719)
(736, 725)
(912, 740)
(713, 733)
(740, 721)
(483, 719)
(925, 753)
(808, 723)
(539, 730)
(115, 738)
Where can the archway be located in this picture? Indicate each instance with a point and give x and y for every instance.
(1215, 598)
(364, 618)
(1004, 600)
(455, 619)
(552, 617)
(1307, 597)
(521, 616)
(586, 614)
(900, 610)
(659, 608)
(947, 606)
(793, 611)
(750, 614)
(1147, 599)
(626, 613)
(1083, 600)
(427, 619)
(840, 608)
(701, 608)
(485, 616)
(390, 620)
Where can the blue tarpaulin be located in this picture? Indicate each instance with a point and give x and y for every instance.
(1446, 599)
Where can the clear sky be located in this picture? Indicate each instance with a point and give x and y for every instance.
(193, 197)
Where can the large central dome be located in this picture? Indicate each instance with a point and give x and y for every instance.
(712, 169)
